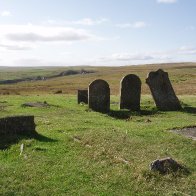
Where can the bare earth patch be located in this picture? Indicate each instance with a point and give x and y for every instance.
(189, 132)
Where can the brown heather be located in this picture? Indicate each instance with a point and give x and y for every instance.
(182, 76)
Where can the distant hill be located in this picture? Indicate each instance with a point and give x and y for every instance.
(43, 77)
(69, 79)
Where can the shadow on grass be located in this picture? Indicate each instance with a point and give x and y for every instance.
(152, 175)
(43, 138)
(150, 112)
(119, 114)
(191, 110)
(188, 108)
(7, 140)
(126, 114)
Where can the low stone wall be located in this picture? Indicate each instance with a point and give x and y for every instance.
(17, 125)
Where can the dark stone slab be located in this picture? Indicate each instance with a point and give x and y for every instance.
(82, 96)
(162, 91)
(36, 104)
(17, 125)
(130, 92)
(99, 96)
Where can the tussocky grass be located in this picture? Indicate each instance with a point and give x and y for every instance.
(81, 152)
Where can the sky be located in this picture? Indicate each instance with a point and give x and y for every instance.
(96, 32)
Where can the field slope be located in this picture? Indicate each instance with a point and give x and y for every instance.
(81, 152)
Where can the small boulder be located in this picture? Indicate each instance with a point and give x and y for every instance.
(165, 165)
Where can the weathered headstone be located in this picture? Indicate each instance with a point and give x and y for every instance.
(162, 91)
(99, 96)
(130, 92)
(82, 96)
(17, 125)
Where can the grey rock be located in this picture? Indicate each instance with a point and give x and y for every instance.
(165, 165)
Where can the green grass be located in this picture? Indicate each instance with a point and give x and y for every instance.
(81, 152)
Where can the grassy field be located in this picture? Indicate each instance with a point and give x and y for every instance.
(81, 152)
(182, 75)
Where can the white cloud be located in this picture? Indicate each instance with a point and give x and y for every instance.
(150, 57)
(139, 24)
(176, 55)
(135, 25)
(66, 35)
(32, 62)
(127, 57)
(89, 21)
(36, 33)
(15, 47)
(134, 56)
(167, 1)
(185, 50)
(84, 21)
(5, 13)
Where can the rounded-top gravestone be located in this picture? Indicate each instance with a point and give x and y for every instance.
(99, 96)
(130, 92)
(162, 91)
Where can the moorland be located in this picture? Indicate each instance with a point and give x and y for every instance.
(81, 152)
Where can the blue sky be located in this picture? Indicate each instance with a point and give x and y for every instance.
(96, 32)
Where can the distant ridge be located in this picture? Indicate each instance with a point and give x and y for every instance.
(38, 78)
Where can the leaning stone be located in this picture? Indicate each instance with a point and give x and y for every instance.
(165, 165)
(162, 91)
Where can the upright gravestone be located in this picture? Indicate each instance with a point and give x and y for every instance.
(130, 92)
(162, 91)
(99, 96)
(82, 96)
